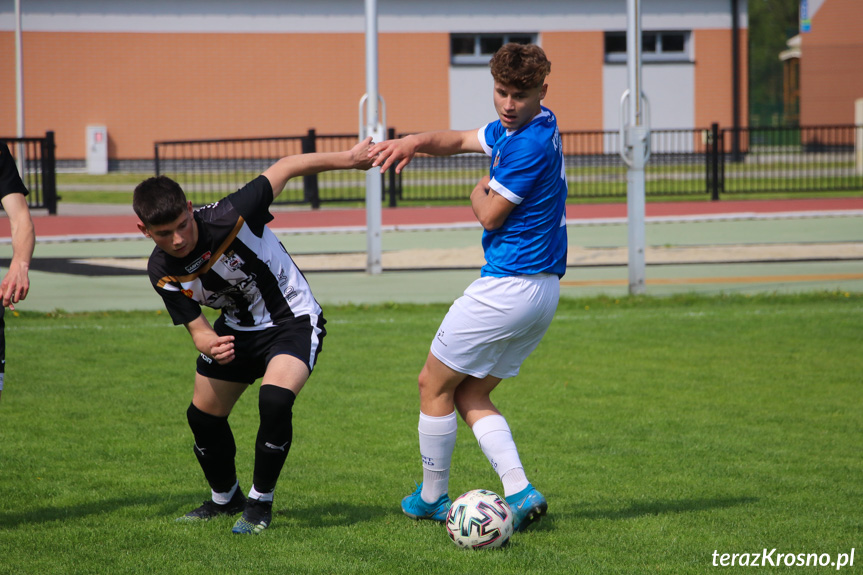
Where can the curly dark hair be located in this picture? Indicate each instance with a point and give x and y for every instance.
(522, 66)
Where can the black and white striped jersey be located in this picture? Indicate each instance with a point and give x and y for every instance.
(10, 181)
(238, 266)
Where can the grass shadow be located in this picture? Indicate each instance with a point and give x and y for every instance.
(155, 505)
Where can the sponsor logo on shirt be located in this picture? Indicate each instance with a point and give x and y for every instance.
(232, 261)
(199, 262)
(244, 288)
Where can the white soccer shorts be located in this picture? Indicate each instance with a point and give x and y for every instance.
(496, 324)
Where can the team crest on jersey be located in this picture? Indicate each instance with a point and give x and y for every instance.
(188, 293)
(233, 261)
(496, 160)
(192, 267)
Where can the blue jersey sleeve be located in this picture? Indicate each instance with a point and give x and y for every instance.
(516, 170)
(489, 135)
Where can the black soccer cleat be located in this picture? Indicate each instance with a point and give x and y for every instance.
(212, 509)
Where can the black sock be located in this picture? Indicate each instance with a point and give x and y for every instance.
(214, 448)
(274, 435)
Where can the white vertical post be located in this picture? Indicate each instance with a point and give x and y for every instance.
(372, 127)
(19, 88)
(637, 141)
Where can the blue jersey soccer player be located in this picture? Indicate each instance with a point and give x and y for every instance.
(502, 316)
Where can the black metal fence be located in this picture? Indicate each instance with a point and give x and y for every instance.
(37, 167)
(210, 169)
(683, 163)
(805, 159)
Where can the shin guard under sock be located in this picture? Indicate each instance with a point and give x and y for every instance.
(437, 443)
(495, 438)
(214, 448)
(275, 434)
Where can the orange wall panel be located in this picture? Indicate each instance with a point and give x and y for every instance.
(414, 80)
(8, 124)
(713, 78)
(575, 82)
(831, 64)
(836, 22)
(147, 87)
(150, 87)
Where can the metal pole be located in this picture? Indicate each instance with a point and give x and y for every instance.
(372, 128)
(735, 80)
(637, 142)
(19, 89)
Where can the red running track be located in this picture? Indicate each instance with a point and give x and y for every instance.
(104, 224)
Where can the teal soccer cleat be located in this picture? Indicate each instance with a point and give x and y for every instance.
(528, 506)
(415, 508)
(255, 519)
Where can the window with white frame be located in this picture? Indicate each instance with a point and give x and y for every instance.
(669, 46)
(472, 49)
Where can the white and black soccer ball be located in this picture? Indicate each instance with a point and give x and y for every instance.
(479, 519)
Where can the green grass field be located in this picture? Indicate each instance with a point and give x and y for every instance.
(661, 430)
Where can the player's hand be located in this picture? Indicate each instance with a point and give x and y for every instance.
(222, 349)
(361, 158)
(14, 286)
(399, 152)
(482, 185)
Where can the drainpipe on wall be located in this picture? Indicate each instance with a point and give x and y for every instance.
(735, 81)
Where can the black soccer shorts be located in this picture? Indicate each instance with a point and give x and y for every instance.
(302, 338)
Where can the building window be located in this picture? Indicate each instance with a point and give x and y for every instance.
(672, 46)
(473, 49)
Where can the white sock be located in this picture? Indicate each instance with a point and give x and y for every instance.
(495, 438)
(223, 498)
(514, 481)
(255, 494)
(437, 442)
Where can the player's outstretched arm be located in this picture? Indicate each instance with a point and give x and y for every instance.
(16, 284)
(357, 158)
(208, 342)
(444, 143)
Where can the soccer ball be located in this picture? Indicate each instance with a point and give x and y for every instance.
(479, 519)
